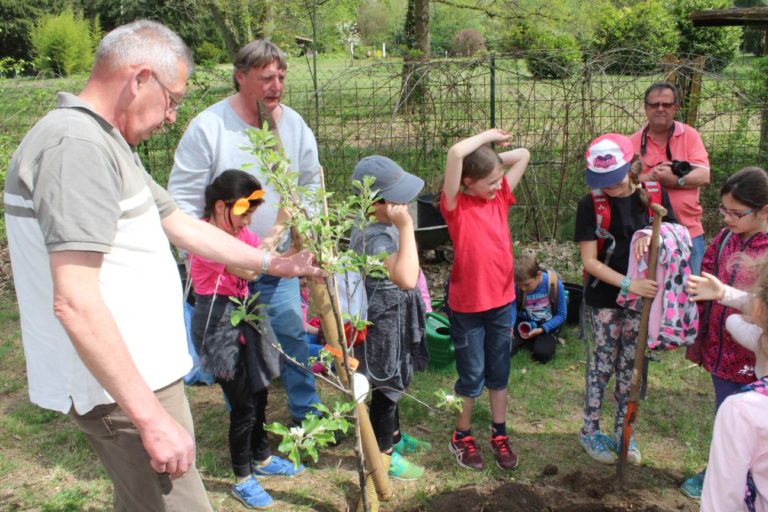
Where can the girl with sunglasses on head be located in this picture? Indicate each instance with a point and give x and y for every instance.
(241, 357)
(744, 208)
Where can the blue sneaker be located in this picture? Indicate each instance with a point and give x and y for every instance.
(250, 493)
(598, 446)
(693, 486)
(277, 467)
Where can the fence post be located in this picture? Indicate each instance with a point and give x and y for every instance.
(762, 148)
(694, 92)
(493, 91)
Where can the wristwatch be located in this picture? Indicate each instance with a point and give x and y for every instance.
(681, 181)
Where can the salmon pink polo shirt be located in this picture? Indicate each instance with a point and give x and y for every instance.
(482, 276)
(684, 144)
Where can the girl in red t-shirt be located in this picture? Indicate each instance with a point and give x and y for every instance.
(475, 201)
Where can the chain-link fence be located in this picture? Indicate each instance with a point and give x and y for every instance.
(358, 109)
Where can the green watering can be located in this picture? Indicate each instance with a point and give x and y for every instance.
(439, 345)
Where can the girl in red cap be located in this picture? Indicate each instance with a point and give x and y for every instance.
(612, 172)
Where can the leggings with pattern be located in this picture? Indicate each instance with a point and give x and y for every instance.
(614, 335)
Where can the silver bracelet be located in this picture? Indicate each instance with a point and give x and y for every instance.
(265, 261)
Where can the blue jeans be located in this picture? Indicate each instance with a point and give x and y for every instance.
(697, 254)
(483, 342)
(284, 310)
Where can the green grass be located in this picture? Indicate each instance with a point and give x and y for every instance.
(47, 465)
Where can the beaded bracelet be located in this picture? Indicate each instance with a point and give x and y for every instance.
(625, 284)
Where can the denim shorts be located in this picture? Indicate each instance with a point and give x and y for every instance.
(483, 342)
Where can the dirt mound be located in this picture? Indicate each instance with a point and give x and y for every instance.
(579, 491)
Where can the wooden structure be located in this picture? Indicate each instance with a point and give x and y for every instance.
(741, 16)
(735, 16)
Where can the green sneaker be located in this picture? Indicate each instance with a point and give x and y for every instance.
(693, 486)
(408, 445)
(404, 470)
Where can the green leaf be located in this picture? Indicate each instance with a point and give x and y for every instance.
(312, 452)
(277, 428)
(286, 445)
(294, 456)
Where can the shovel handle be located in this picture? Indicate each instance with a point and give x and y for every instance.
(642, 342)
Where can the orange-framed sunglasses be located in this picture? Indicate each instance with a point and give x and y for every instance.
(244, 203)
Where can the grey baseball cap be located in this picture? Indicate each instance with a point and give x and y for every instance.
(391, 182)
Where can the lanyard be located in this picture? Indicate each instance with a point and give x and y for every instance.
(644, 141)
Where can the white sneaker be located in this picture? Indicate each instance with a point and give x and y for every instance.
(598, 446)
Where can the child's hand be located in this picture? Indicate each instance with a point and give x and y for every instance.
(497, 135)
(644, 288)
(398, 214)
(533, 333)
(704, 287)
(641, 246)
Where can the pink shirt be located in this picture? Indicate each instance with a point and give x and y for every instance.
(684, 144)
(482, 277)
(205, 273)
(739, 444)
(421, 284)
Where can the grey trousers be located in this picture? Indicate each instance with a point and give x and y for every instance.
(137, 487)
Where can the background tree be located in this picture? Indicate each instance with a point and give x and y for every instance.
(416, 52)
(447, 20)
(189, 18)
(17, 19)
(719, 44)
(753, 40)
(380, 21)
(635, 39)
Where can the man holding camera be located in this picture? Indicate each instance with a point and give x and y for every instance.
(674, 155)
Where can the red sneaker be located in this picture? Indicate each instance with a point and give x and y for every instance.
(467, 452)
(505, 457)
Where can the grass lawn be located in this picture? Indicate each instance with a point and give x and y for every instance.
(46, 464)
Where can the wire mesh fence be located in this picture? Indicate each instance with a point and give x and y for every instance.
(358, 109)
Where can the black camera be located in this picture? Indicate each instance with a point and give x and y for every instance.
(681, 168)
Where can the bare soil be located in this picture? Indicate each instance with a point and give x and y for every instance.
(582, 490)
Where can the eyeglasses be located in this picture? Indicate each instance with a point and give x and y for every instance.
(173, 100)
(737, 214)
(244, 203)
(663, 104)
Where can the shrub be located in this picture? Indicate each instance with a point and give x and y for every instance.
(64, 43)
(210, 54)
(10, 67)
(468, 42)
(551, 55)
(445, 21)
(634, 39)
(718, 44)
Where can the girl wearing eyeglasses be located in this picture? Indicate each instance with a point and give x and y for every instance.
(744, 208)
(241, 357)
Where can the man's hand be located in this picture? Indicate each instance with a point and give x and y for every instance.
(662, 173)
(293, 264)
(170, 447)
